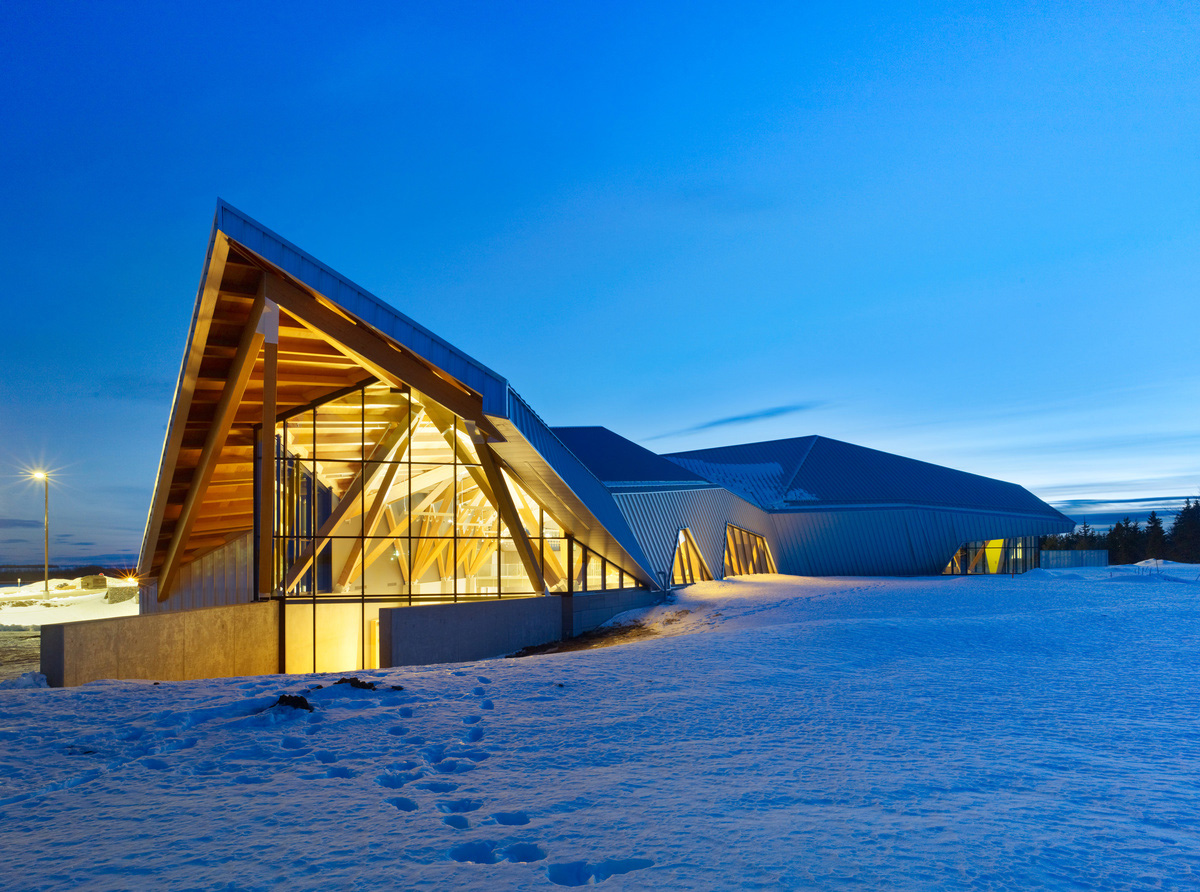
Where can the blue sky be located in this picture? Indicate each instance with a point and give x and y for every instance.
(965, 233)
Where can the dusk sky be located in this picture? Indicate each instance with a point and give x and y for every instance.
(969, 234)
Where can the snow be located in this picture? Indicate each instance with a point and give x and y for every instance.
(68, 603)
(779, 733)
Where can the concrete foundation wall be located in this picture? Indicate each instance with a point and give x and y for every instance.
(211, 643)
(454, 633)
(585, 611)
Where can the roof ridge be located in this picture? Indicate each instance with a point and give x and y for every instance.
(800, 464)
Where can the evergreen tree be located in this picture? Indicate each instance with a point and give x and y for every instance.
(1156, 538)
(1183, 541)
(1124, 542)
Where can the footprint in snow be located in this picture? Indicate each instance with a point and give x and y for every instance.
(406, 712)
(437, 786)
(458, 822)
(398, 730)
(483, 680)
(479, 690)
(472, 735)
(458, 806)
(402, 802)
(580, 873)
(487, 704)
(510, 818)
(471, 719)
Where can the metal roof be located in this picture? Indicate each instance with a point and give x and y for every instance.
(807, 473)
(366, 306)
(623, 465)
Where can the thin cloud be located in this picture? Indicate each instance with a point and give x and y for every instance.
(12, 523)
(733, 420)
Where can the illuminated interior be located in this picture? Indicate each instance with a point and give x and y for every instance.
(688, 565)
(382, 500)
(746, 553)
(995, 556)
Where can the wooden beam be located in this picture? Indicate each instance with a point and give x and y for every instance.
(370, 523)
(218, 432)
(269, 323)
(381, 358)
(502, 499)
(393, 441)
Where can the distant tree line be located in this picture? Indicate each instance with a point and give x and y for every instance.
(1129, 542)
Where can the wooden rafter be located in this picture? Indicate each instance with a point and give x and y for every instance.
(375, 354)
(239, 375)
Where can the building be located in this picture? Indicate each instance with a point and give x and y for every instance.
(340, 488)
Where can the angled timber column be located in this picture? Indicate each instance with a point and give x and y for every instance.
(508, 512)
(253, 336)
(370, 523)
(392, 443)
(269, 324)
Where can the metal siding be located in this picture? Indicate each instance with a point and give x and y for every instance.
(657, 517)
(217, 578)
(361, 303)
(887, 542)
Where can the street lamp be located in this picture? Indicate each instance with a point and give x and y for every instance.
(45, 478)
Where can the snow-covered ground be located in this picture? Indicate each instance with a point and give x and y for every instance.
(25, 609)
(781, 733)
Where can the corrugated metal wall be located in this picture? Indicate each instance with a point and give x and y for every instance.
(888, 541)
(219, 578)
(657, 517)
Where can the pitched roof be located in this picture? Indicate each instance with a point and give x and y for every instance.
(811, 472)
(623, 465)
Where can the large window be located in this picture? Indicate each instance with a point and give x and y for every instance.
(746, 553)
(996, 556)
(688, 565)
(382, 494)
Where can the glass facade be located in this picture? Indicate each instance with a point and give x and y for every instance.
(688, 565)
(996, 556)
(746, 553)
(382, 500)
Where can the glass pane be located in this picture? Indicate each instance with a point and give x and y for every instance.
(477, 566)
(513, 577)
(464, 446)
(386, 565)
(554, 564)
(429, 444)
(338, 433)
(432, 500)
(433, 566)
(476, 515)
(612, 576)
(578, 567)
(595, 572)
(527, 508)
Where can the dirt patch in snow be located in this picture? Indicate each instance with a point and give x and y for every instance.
(602, 637)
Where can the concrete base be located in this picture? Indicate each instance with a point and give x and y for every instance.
(455, 633)
(587, 610)
(215, 643)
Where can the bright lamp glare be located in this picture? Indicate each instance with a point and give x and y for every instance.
(39, 475)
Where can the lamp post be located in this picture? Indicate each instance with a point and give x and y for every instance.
(45, 478)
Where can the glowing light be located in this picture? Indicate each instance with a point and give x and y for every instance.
(39, 475)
